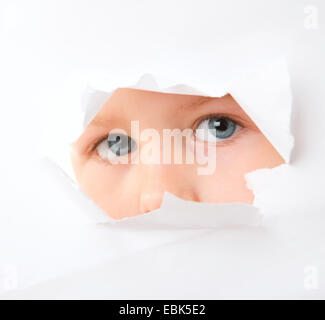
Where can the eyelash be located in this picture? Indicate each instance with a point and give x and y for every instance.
(94, 145)
(235, 119)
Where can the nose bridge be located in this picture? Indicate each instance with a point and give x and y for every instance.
(156, 178)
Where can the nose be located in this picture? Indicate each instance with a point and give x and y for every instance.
(151, 187)
(156, 179)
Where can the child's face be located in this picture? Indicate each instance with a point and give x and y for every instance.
(129, 189)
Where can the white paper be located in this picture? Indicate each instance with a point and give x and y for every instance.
(50, 237)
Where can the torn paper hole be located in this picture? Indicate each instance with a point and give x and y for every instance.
(240, 128)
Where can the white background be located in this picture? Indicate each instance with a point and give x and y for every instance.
(45, 44)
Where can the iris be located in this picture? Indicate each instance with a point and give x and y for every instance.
(120, 144)
(221, 127)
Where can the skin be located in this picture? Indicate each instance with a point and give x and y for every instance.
(127, 190)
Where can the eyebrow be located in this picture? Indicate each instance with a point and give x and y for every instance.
(196, 103)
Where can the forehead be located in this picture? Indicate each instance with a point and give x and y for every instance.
(135, 104)
(140, 100)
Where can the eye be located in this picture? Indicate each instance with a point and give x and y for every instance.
(115, 145)
(216, 128)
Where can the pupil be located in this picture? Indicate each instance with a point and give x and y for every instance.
(220, 124)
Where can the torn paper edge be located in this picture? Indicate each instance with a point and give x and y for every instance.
(261, 93)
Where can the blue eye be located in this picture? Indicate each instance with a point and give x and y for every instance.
(115, 145)
(120, 144)
(222, 128)
(216, 128)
